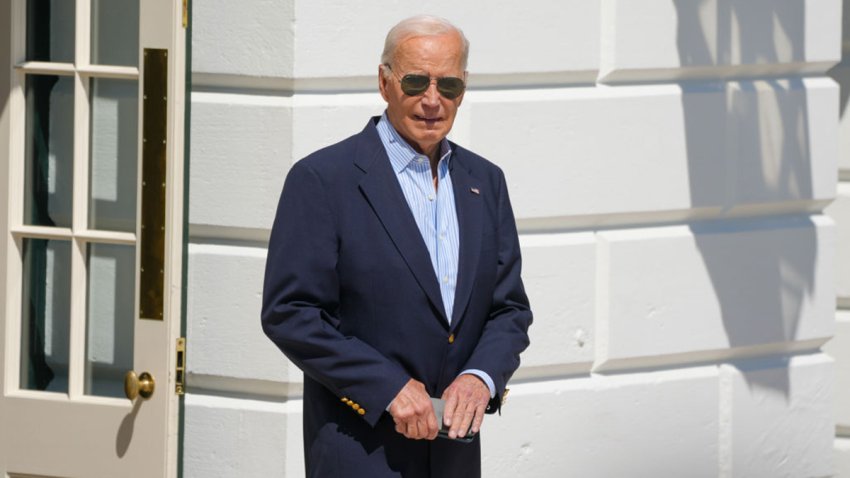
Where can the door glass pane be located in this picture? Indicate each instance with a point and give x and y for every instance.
(49, 150)
(115, 32)
(50, 30)
(46, 306)
(109, 318)
(113, 153)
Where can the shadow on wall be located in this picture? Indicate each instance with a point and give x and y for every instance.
(841, 72)
(752, 137)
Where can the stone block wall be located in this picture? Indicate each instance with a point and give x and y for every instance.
(669, 163)
(839, 211)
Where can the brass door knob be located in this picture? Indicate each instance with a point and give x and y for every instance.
(139, 386)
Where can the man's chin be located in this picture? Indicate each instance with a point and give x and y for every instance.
(434, 133)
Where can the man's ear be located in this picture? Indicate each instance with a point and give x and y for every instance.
(382, 82)
(465, 82)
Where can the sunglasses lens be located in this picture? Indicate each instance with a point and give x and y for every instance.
(413, 85)
(450, 87)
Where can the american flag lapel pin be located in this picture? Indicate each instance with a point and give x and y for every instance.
(475, 191)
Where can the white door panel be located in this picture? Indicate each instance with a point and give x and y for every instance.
(91, 201)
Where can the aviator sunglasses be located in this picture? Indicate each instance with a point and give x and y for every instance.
(414, 85)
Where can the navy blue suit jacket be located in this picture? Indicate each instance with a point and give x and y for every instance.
(351, 297)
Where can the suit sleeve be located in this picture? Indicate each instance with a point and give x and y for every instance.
(301, 297)
(505, 334)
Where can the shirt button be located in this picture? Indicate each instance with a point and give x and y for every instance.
(445, 279)
(430, 197)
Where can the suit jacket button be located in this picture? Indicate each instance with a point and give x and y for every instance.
(362, 411)
(344, 399)
(451, 338)
(356, 406)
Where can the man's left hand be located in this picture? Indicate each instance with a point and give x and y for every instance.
(466, 400)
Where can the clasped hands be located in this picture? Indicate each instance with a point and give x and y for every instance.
(466, 400)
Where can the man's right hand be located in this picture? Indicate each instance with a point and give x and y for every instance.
(413, 413)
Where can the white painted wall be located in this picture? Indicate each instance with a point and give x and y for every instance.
(839, 210)
(669, 162)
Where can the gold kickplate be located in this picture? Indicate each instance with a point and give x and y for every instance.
(154, 133)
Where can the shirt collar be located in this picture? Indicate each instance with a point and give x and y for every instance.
(401, 154)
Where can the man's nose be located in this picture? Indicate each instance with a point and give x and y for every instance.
(431, 97)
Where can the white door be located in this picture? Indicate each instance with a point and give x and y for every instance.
(91, 212)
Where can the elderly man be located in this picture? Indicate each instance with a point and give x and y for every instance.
(393, 276)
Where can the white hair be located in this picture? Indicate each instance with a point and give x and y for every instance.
(420, 26)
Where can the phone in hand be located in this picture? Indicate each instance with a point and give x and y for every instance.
(439, 405)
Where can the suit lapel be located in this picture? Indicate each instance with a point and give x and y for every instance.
(468, 203)
(380, 187)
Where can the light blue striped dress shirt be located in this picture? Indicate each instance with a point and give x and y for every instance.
(433, 210)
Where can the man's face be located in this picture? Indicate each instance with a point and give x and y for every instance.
(423, 120)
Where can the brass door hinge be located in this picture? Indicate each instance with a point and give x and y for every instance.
(185, 13)
(180, 367)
